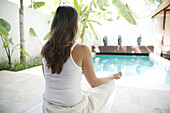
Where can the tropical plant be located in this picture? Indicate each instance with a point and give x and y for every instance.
(36, 5)
(17, 65)
(33, 33)
(95, 8)
(86, 13)
(5, 27)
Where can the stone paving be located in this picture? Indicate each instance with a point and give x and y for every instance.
(20, 91)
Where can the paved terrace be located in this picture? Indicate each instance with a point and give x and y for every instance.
(20, 91)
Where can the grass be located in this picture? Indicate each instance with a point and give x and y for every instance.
(17, 65)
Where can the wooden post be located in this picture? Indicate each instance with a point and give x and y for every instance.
(163, 33)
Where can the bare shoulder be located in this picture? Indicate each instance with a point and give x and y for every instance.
(79, 53)
(83, 49)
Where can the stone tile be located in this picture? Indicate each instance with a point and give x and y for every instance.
(159, 110)
(21, 91)
(114, 111)
(123, 107)
(115, 106)
(134, 108)
(135, 100)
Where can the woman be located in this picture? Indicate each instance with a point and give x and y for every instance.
(63, 62)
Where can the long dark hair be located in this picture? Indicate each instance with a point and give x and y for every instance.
(63, 33)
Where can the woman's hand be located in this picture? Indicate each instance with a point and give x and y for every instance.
(117, 75)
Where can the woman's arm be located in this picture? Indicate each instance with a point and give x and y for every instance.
(88, 69)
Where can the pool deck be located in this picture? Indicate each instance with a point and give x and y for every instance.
(20, 91)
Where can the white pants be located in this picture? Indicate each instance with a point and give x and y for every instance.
(95, 100)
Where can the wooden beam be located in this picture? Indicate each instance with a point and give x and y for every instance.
(167, 10)
(162, 7)
(163, 33)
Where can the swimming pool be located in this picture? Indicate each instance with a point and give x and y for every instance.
(137, 68)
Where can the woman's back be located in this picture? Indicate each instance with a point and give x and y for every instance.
(65, 88)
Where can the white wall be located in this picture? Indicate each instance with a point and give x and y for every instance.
(9, 11)
(149, 28)
(167, 31)
(37, 20)
(128, 32)
(158, 25)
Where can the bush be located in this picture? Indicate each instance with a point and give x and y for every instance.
(17, 65)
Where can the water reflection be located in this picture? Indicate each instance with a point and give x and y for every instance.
(138, 66)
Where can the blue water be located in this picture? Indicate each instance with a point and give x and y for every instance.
(135, 66)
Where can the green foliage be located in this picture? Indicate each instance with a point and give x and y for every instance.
(91, 27)
(96, 8)
(47, 36)
(3, 31)
(124, 11)
(4, 65)
(5, 24)
(36, 5)
(94, 21)
(77, 7)
(24, 52)
(102, 4)
(17, 65)
(32, 32)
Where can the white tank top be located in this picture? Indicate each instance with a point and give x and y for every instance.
(65, 88)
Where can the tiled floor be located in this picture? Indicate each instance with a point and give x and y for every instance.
(20, 91)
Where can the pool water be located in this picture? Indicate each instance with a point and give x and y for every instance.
(137, 68)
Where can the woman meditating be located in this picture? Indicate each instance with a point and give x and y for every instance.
(63, 62)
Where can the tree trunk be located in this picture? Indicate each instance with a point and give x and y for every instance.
(21, 17)
(84, 24)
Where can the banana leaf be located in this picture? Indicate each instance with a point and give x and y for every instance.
(102, 4)
(124, 11)
(91, 27)
(5, 24)
(3, 31)
(77, 7)
(94, 21)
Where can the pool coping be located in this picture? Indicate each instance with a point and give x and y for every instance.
(158, 59)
